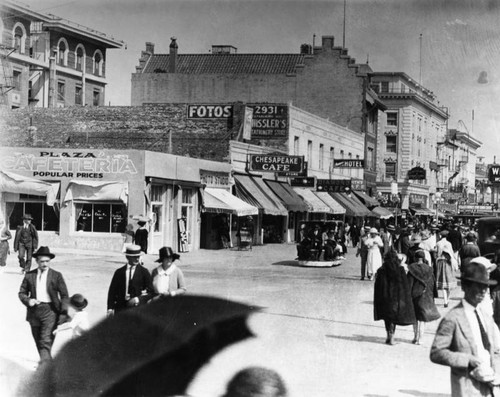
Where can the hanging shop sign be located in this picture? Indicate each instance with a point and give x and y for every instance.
(475, 208)
(215, 179)
(209, 111)
(494, 174)
(417, 173)
(358, 184)
(452, 195)
(302, 182)
(417, 199)
(276, 163)
(301, 174)
(349, 163)
(269, 121)
(334, 185)
(69, 164)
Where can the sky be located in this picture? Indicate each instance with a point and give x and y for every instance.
(460, 45)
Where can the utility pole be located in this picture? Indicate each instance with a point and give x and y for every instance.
(343, 33)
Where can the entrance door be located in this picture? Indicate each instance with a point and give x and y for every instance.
(158, 213)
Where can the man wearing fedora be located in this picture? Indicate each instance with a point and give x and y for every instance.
(26, 242)
(468, 340)
(168, 279)
(131, 284)
(42, 292)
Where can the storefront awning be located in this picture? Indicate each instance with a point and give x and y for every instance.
(331, 202)
(381, 212)
(291, 200)
(96, 191)
(367, 200)
(221, 201)
(314, 203)
(352, 206)
(422, 211)
(14, 183)
(255, 192)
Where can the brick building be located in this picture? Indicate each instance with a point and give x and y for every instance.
(48, 61)
(324, 81)
(408, 136)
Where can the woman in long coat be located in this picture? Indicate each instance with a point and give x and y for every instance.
(392, 298)
(445, 267)
(374, 259)
(421, 283)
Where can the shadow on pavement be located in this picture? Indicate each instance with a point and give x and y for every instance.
(360, 338)
(287, 263)
(375, 395)
(423, 394)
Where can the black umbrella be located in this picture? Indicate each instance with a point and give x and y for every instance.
(151, 350)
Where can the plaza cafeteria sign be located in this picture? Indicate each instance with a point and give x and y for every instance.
(70, 164)
(276, 163)
(358, 163)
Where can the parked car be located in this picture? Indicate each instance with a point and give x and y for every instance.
(489, 235)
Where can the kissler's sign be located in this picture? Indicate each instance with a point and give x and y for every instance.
(276, 163)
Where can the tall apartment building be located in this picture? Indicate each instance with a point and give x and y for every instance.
(322, 80)
(48, 61)
(408, 136)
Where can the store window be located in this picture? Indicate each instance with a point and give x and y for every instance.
(390, 171)
(157, 192)
(391, 144)
(187, 212)
(100, 217)
(45, 218)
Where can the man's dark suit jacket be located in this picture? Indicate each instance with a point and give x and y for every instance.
(455, 238)
(34, 237)
(141, 281)
(56, 288)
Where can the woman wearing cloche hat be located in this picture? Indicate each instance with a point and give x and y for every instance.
(168, 279)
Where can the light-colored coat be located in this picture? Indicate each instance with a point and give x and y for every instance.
(454, 346)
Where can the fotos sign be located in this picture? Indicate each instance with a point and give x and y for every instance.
(276, 163)
(209, 111)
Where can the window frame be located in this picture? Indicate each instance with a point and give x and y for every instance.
(110, 204)
(392, 119)
(391, 143)
(390, 174)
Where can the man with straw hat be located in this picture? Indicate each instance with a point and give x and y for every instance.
(131, 284)
(25, 242)
(468, 340)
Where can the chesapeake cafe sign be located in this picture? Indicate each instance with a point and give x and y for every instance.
(71, 164)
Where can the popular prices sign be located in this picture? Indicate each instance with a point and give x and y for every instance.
(276, 163)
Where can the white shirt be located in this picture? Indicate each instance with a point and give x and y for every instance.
(127, 277)
(162, 280)
(482, 353)
(41, 286)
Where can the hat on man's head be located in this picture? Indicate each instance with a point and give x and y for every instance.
(27, 217)
(481, 260)
(410, 226)
(434, 226)
(164, 253)
(470, 236)
(133, 250)
(444, 233)
(425, 234)
(373, 230)
(476, 273)
(367, 228)
(43, 251)
(78, 301)
(391, 228)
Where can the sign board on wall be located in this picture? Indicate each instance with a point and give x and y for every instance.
(333, 185)
(475, 208)
(276, 163)
(452, 195)
(418, 199)
(302, 182)
(303, 173)
(494, 174)
(209, 111)
(215, 179)
(349, 163)
(269, 121)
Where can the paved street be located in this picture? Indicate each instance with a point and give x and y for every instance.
(316, 327)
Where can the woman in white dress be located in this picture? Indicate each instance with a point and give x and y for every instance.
(374, 244)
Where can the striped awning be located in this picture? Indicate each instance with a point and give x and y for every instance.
(331, 202)
(254, 191)
(314, 203)
(221, 201)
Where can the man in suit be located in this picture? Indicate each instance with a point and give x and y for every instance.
(456, 239)
(42, 292)
(25, 242)
(467, 339)
(131, 284)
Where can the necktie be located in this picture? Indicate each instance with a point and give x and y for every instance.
(130, 280)
(484, 335)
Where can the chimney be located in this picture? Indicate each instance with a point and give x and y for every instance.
(172, 59)
(150, 47)
(327, 42)
(306, 49)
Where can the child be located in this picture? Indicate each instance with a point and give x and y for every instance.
(78, 323)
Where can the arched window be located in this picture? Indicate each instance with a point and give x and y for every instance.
(80, 57)
(19, 37)
(62, 52)
(98, 61)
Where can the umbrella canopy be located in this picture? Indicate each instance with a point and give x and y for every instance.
(150, 350)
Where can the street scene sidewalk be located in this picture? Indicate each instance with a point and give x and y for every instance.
(315, 326)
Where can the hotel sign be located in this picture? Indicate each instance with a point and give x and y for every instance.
(276, 163)
(348, 163)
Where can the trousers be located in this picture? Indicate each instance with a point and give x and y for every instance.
(42, 327)
(25, 251)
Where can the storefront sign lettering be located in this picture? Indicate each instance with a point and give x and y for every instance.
(349, 163)
(209, 111)
(70, 164)
(269, 121)
(281, 163)
(334, 185)
(215, 179)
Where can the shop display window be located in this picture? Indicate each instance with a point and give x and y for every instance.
(45, 218)
(100, 217)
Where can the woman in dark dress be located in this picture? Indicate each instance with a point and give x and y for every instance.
(421, 283)
(392, 298)
(141, 236)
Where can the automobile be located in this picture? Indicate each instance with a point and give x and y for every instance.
(488, 235)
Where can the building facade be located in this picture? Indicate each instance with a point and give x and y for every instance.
(48, 61)
(408, 136)
(324, 81)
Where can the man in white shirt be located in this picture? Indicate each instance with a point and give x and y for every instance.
(468, 341)
(42, 292)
